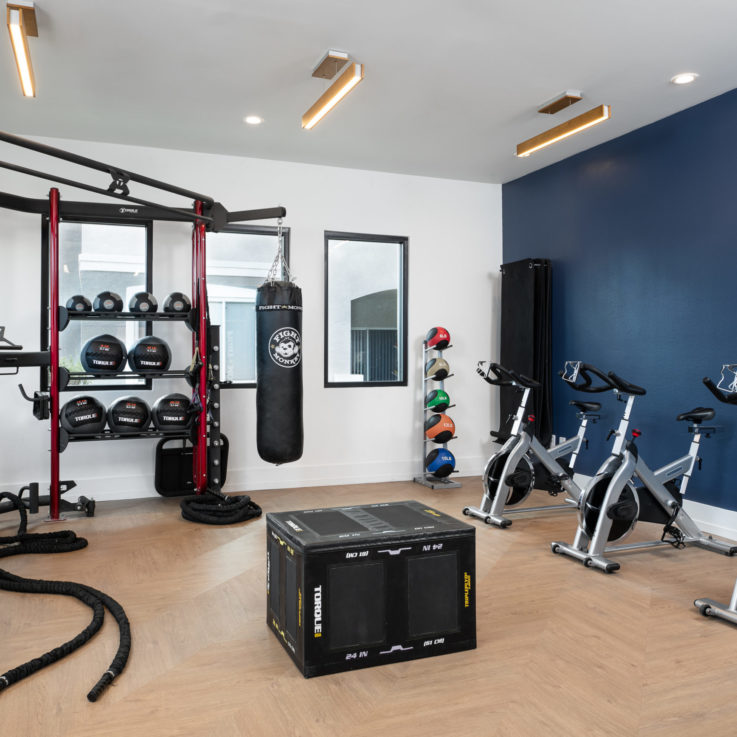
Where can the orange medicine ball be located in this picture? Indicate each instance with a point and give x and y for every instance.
(439, 428)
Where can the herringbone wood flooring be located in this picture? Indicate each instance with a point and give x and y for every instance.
(563, 651)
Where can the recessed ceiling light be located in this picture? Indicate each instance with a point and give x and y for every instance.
(684, 78)
(253, 120)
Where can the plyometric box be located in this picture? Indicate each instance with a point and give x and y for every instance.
(352, 587)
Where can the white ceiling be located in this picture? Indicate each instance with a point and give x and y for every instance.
(451, 87)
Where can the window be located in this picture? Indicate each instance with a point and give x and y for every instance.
(94, 257)
(365, 310)
(238, 261)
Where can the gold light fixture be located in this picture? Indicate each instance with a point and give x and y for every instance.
(327, 68)
(574, 125)
(21, 20)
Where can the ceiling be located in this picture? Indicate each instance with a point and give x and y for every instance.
(450, 87)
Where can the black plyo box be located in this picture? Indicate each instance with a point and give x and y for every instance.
(353, 587)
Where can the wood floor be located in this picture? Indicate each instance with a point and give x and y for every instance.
(562, 650)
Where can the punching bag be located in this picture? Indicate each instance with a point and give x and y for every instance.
(279, 433)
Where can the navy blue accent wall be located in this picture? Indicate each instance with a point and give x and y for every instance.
(642, 234)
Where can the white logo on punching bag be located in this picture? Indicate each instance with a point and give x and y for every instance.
(285, 347)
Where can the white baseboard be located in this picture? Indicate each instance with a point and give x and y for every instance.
(262, 477)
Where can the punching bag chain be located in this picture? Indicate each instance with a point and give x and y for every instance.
(280, 263)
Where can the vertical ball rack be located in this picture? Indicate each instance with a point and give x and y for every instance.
(425, 478)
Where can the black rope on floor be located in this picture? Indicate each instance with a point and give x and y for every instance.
(215, 508)
(60, 542)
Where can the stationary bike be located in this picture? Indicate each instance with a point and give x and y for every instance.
(523, 462)
(725, 391)
(611, 505)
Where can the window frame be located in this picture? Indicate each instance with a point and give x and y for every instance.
(403, 242)
(250, 230)
(143, 384)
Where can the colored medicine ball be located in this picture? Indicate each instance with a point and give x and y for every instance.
(177, 302)
(108, 302)
(437, 338)
(83, 414)
(128, 414)
(104, 354)
(143, 302)
(149, 355)
(172, 412)
(439, 428)
(79, 303)
(437, 400)
(437, 369)
(440, 462)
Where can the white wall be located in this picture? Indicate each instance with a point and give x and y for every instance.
(352, 435)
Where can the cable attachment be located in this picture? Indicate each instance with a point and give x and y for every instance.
(119, 183)
(280, 264)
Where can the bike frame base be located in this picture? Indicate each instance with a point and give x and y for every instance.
(499, 521)
(711, 608)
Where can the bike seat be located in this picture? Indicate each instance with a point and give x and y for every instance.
(697, 415)
(585, 406)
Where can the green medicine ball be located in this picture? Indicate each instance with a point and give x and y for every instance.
(437, 400)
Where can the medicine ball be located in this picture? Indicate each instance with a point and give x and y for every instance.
(437, 369)
(437, 338)
(149, 355)
(143, 302)
(104, 354)
(108, 302)
(177, 302)
(437, 400)
(439, 428)
(79, 303)
(83, 414)
(172, 412)
(440, 462)
(128, 414)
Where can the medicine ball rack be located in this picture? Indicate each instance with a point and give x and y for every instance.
(205, 214)
(428, 479)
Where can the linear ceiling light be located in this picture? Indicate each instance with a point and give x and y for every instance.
(569, 128)
(333, 95)
(21, 19)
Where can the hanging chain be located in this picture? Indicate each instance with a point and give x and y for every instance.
(280, 264)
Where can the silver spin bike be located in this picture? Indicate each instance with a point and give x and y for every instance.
(513, 471)
(725, 391)
(611, 505)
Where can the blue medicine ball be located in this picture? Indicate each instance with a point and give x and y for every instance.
(440, 462)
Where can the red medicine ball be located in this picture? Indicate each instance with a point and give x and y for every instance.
(437, 338)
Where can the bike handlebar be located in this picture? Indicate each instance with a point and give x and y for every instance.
(625, 386)
(586, 386)
(718, 393)
(504, 376)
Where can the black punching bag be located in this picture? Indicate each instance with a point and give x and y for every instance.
(279, 433)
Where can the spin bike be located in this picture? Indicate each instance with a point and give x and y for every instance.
(512, 472)
(725, 391)
(611, 505)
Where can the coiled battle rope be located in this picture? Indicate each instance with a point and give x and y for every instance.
(215, 508)
(60, 542)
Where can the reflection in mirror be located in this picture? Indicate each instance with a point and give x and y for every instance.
(365, 310)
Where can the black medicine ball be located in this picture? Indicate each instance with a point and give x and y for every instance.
(177, 302)
(128, 414)
(83, 414)
(172, 412)
(149, 355)
(108, 302)
(79, 303)
(104, 354)
(143, 302)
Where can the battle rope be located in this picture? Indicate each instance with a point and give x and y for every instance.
(60, 542)
(215, 508)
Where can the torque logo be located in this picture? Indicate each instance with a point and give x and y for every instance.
(317, 611)
(284, 347)
(466, 590)
(128, 210)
